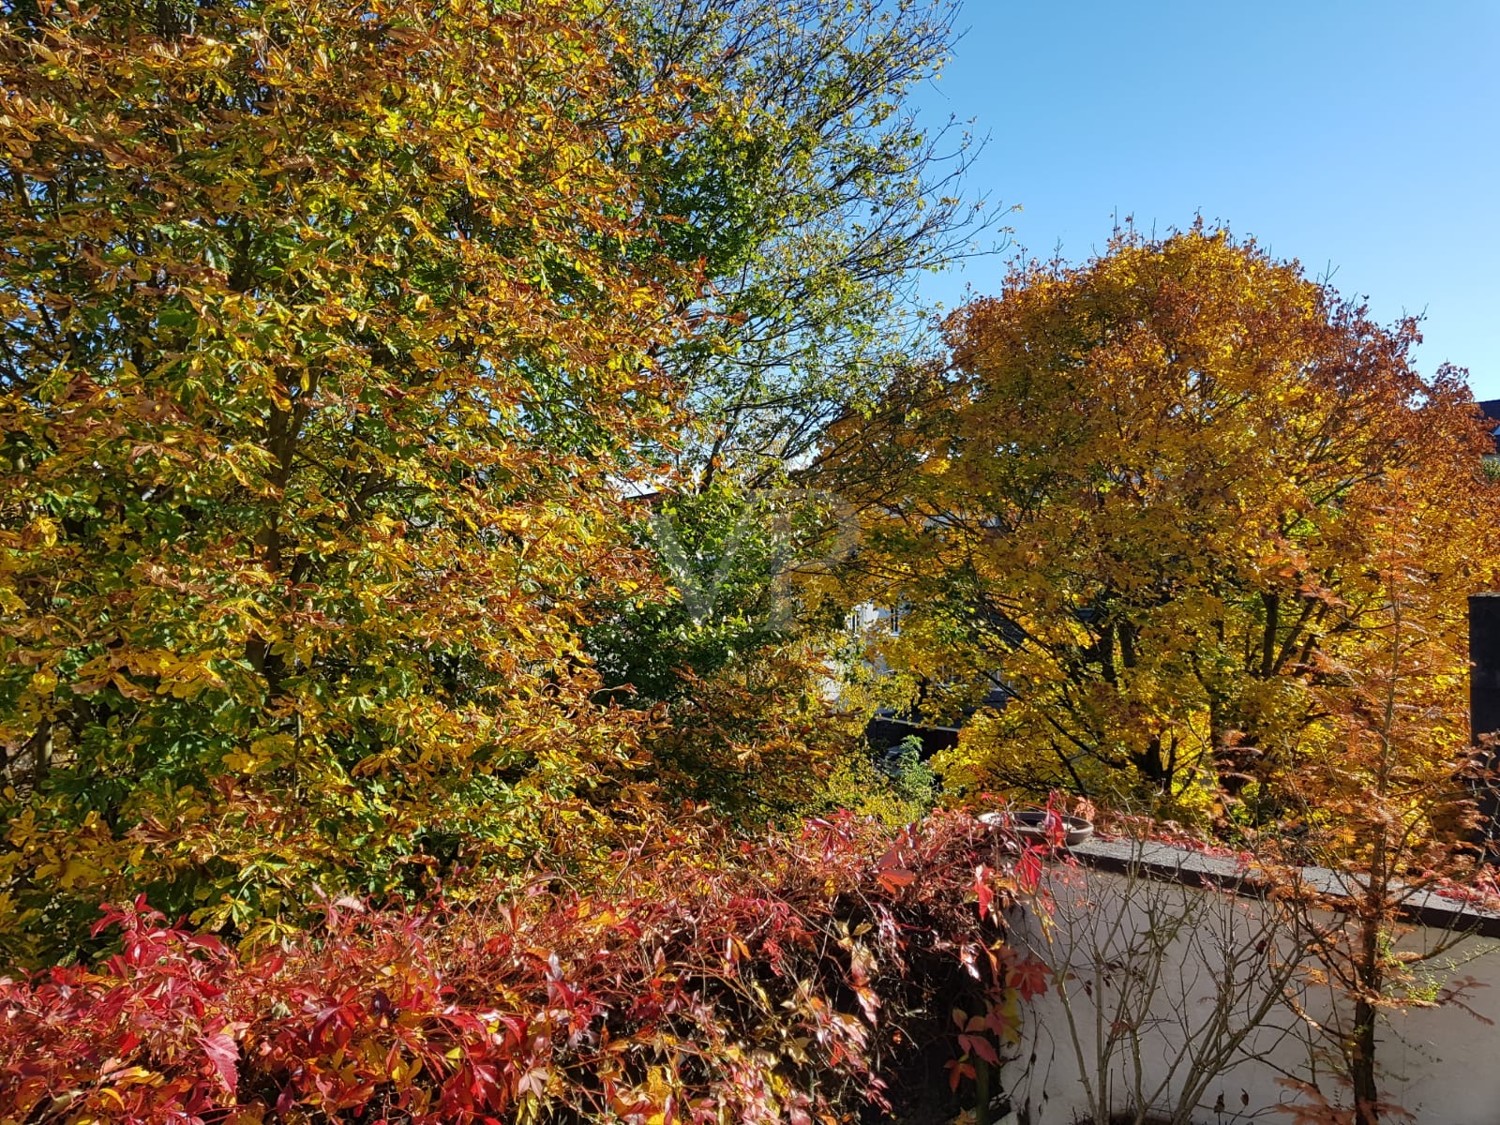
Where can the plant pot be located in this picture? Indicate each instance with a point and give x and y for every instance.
(1031, 824)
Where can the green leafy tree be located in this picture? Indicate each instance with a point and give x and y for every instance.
(730, 650)
(723, 558)
(813, 197)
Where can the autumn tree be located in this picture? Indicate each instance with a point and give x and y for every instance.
(813, 198)
(327, 345)
(811, 195)
(1139, 503)
(735, 661)
(1390, 808)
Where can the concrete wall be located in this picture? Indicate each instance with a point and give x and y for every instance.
(1158, 978)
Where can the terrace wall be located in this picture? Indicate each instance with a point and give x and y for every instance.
(1145, 933)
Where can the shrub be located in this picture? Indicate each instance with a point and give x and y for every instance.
(712, 980)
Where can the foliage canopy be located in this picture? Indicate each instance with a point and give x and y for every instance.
(812, 196)
(1142, 500)
(328, 338)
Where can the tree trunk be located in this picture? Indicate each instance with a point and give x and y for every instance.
(1362, 1065)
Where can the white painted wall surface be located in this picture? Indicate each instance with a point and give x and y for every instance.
(1440, 1064)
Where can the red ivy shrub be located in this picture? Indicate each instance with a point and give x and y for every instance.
(710, 981)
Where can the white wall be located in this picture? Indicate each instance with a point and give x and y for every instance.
(1217, 952)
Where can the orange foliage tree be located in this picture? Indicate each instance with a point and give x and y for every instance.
(1139, 502)
(1391, 808)
(327, 338)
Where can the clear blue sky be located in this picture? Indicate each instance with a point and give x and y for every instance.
(1358, 137)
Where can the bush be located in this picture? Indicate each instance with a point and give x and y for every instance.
(712, 980)
(897, 788)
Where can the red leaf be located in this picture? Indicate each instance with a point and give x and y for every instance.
(1029, 869)
(982, 890)
(1001, 1023)
(957, 1072)
(1029, 978)
(980, 1047)
(224, 1053)
(534, 1081)
(893, 879)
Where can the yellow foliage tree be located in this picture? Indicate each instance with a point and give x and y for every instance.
(327, 338)
(1140, 503)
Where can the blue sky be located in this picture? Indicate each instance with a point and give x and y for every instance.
(1362, 138)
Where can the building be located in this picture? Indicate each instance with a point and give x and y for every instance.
(1491, 408)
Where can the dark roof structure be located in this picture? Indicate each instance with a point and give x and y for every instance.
(1491, 408)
